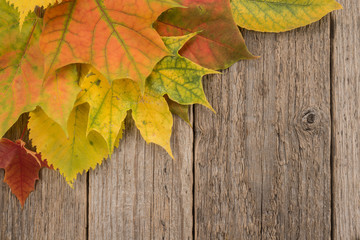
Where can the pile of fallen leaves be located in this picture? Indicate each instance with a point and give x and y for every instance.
(79, 66)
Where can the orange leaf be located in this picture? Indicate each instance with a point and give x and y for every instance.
(116, 37)
(21, 166)
(218, 44)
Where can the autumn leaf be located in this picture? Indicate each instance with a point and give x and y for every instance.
(177, 76)
(73, 154)
(26, 6)
(21, 166)
(106, 113)
(21, 73)
(119, 136)
(109, 106)
(219, 43)
(280, 15)
(116, 37)
(181, 110)
(88, 63)
(59, 93)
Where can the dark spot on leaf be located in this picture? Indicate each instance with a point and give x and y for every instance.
(90, 74)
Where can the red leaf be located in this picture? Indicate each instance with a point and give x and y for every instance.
(21, 167)
(219, 43)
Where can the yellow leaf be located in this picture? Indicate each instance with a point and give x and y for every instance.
(26, 6)
(154, 120)
(109, 106)
(70, 155)
(119, 136)
(280, 15)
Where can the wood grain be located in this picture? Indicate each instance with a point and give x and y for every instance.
(346, 120)
(52, 211)
(262, 164)
(141, 193)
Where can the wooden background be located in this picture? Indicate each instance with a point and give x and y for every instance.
(279, 160)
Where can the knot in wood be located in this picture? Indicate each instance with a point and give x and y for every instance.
(310, 118)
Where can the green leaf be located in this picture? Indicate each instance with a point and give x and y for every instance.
(178, 77)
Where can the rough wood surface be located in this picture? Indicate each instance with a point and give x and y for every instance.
(52, 211)
(141, 193)
(346, 120)
(262, 164)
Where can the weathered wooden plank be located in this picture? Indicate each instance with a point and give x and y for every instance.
(52, 211)
(262, 164)
(346, 120)
(141, 193)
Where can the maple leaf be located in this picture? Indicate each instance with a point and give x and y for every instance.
(116, 37)
(219, 43)
(177, 76)
(26, 6)
(109, 106)
(181, 110)
(21, 73)
(280, 15)
(21, 166)
(119, 136)
(73, 154)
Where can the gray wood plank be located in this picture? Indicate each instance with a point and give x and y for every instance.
(262, 163)
(346, 120)
(141, 193)
(53, 211)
